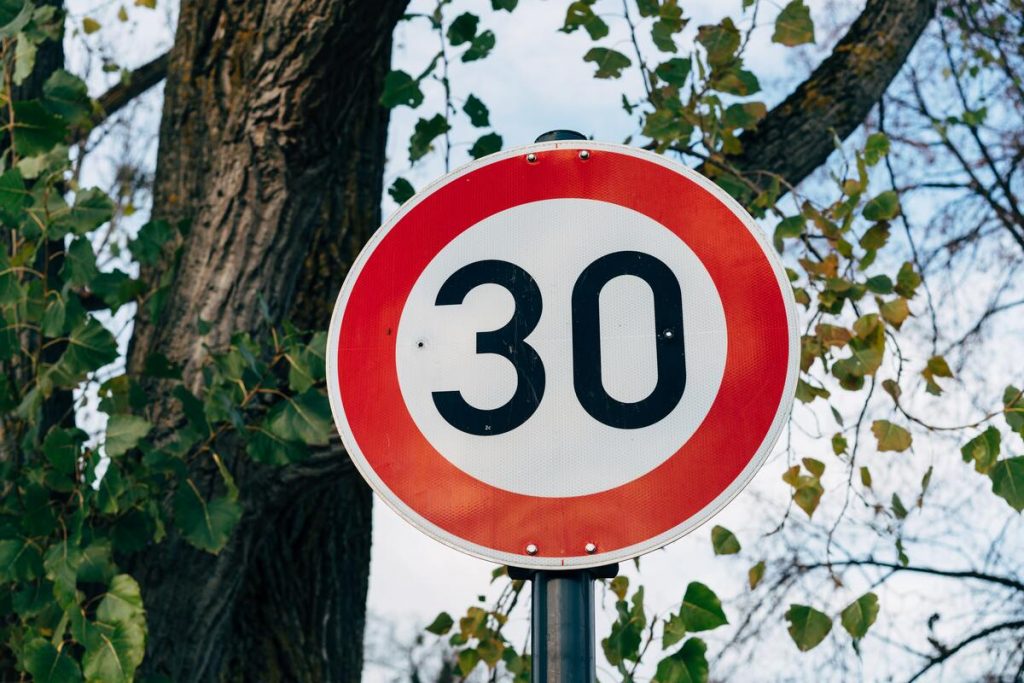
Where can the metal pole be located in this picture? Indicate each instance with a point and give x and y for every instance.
(563, 627)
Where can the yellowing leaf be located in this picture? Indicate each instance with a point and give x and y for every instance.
(895, 312)
(891, 437)
(755, 574)
(90, 25)
(793, 26)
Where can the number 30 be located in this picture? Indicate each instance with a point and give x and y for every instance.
(509, 341)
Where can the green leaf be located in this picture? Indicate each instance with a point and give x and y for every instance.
(883, 207)
(36, 131)
(898, 508)
(46, 665)
(736, 81)
(1013, 408)
(702, 610)
(580, 14)
(674, 71)
(789, 227)
(441, 624)
(875, 237)
(401, 190)
(477, 112)
(424, 133)
(149, 242)
(92, 208)
(80, 265)
(117, 645)
(401, 89)
(13, 196)
(306, 364)
(1008, 481)
(507, 5)
(90, 347)
(891, 437)
(907, 281)
(467, 661)
(480, 47)
(859, 615)
(877, 146)
(206, 525)
(720, 41)
(936, 367)
(267, 447)
(463, 28)
(486, 144)
(807, 626)
(306, 418)
(724, 541)
(674, 631)
(879, 284)
(124, 433)
(688, 665)
(19, 560)
(62, 448)
(610, 63)
(65, 95)
(755, 574)
(14, 15)
(793, 26)
(744, 115)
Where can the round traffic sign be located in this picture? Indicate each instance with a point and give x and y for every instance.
(563, 355)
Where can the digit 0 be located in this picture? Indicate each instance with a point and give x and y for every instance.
(586, 340)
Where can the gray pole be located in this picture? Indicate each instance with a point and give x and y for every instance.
(563, 627)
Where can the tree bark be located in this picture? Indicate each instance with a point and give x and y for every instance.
(797, 136)
(272, 152)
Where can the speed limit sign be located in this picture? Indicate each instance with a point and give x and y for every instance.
(563, 355)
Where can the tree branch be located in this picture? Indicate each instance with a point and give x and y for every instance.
(946, 654)
(953, 574)
(119, 96)
(797, 136)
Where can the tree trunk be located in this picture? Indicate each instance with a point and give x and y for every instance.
(272, 151)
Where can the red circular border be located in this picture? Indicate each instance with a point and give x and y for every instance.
(705, 466)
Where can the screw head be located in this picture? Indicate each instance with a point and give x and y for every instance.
(531, 549)
(668, 334)
(531, 158)
(591, 548)
(584, 154)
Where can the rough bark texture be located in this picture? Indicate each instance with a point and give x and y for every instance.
(272, 149)
(796, 137)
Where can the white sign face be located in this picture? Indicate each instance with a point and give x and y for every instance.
(564, 355)
(561, 450)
